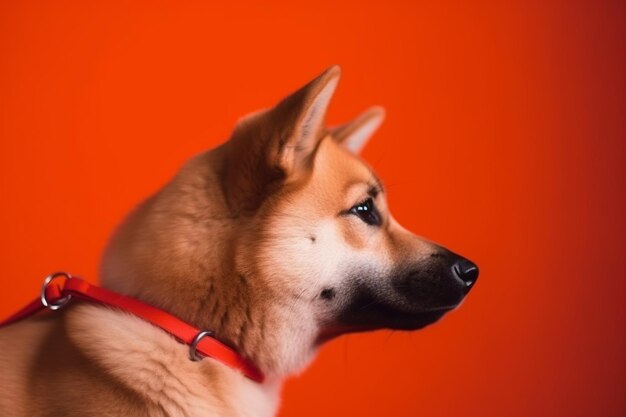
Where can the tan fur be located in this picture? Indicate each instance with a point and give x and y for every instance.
(240, 242)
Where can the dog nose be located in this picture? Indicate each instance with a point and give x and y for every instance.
(467, 271)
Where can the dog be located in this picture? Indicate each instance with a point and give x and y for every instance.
(278, 241)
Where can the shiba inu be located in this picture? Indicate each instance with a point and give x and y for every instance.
(277, 241)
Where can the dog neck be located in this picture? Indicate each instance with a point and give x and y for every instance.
(152, 363)
(179, 251)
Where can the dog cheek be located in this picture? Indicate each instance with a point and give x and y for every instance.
(322, 258)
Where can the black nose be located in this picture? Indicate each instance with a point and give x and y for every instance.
(467, 271)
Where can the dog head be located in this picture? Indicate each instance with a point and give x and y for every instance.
(281, 239)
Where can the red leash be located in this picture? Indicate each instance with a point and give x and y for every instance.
(56, 292)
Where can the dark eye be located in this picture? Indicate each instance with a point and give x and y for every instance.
(367, 212)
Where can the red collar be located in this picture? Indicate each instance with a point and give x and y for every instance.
(56, 292)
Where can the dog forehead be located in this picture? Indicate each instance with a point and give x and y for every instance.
(338, 169)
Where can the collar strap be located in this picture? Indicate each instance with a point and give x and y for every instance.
(60, 287)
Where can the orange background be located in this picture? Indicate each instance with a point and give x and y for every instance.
(505, 140)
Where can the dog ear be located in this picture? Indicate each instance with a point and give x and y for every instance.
(355, 134)
(275, 146)
(300, 122)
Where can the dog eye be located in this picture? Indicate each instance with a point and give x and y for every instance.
(367, 212)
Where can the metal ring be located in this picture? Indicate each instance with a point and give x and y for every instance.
(60, 302)
(193, 354)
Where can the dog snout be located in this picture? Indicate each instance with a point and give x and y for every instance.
(441, 280)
